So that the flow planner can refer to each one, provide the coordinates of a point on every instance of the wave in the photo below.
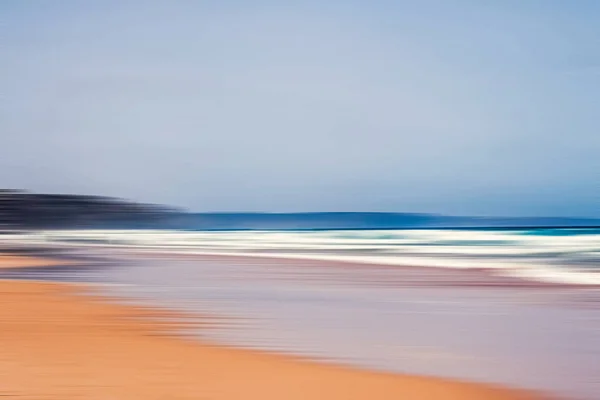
(570, 256)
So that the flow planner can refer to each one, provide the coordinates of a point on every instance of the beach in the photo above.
(9, 260)
(65, 341)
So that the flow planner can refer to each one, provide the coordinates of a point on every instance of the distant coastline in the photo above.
(22, 210)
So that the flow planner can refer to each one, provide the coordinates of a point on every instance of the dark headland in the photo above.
(21, 210)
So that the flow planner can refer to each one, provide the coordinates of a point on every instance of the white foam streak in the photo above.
(540, 257)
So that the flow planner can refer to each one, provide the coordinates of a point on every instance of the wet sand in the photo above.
(61, 342)
(420, 321)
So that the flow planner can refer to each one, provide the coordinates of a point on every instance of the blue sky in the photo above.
(456, 107)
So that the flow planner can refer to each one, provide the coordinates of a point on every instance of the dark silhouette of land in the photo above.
(24, 210)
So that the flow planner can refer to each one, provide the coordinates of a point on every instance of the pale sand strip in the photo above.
(56, 343)
(8, 260)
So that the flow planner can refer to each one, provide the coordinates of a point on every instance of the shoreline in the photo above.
(454, 277)
(471, 277)
(64, 340)
(517, 259)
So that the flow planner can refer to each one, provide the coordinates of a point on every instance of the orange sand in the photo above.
(58, 344)
(16, 261)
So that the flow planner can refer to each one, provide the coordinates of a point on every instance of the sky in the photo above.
(461, 107)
